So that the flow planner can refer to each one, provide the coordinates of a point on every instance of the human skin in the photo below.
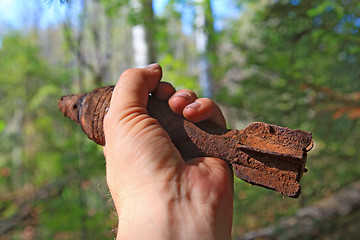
(156, 193)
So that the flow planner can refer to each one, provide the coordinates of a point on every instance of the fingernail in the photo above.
(153, 67)
(195, 105)
(185, 95)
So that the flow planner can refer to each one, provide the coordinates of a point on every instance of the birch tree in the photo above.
(204, 30)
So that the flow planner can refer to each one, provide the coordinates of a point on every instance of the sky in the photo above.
(12, 12)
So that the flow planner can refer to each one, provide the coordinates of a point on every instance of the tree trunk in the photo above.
(204, 30)
(143, 33)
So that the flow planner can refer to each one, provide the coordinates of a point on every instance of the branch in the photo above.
(306, 219)
(49, 2)
(26, 205)
(75, 44)
(342, 103)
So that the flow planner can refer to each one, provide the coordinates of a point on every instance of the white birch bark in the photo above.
(138, 32)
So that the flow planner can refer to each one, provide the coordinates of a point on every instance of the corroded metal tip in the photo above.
(88, 110)
(70, 106)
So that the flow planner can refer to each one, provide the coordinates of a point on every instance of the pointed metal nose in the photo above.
(70, 106)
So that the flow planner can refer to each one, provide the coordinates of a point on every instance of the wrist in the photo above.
(173, 220)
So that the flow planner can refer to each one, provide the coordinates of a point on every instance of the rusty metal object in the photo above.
(261, 154)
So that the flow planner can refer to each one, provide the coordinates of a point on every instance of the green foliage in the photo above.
(112, 6)
(299, 60)
(39, 147)
(176, 57)
(2, 125)
(290, 63)
(174, 74)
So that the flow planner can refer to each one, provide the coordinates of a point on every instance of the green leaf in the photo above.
(2, 125)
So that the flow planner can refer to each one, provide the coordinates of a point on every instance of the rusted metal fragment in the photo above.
(88, 110)
(70, 105)
(261, 154)
(264, 166)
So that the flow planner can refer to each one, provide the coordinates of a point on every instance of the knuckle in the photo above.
(129, 73)
(208, 103)
(192, 94)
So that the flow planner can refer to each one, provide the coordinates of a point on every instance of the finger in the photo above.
(181, 99)
(204, 109)
(164, 91)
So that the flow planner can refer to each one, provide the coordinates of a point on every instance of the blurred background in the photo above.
(293, 63)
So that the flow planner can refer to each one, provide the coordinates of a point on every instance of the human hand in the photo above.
(156, 193)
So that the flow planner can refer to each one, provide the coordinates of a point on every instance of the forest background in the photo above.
(292, 63)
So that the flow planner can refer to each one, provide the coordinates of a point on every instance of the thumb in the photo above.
(133, 88)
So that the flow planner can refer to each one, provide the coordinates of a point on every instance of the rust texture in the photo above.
(261, 154)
